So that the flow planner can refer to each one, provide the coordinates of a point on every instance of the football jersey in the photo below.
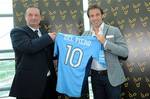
(74, 60)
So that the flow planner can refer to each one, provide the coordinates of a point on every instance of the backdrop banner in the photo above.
(133, 19)
(57, 15)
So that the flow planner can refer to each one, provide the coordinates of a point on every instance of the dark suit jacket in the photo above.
(34, 57)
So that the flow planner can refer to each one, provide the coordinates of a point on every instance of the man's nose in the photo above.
(94, 17)
(33, 17)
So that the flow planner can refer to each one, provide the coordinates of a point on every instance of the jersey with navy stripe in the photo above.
(74, 54)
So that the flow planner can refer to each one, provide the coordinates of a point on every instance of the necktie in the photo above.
(36, 31)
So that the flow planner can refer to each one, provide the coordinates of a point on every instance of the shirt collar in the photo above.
(33, 29)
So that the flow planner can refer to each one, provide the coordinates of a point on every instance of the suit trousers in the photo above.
(49, 92)
(102, 89)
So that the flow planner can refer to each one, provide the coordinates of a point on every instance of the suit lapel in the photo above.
(42, 31)
(30, 32)
(105, 30)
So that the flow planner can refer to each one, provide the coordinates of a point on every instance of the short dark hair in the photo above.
(32, 6)
(94, 7)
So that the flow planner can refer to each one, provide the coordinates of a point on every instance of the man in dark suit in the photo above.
(35, 76)
(106, 79)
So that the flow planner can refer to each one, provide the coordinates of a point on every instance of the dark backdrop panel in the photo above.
(131, 16)
(57, 15)
(133, 19)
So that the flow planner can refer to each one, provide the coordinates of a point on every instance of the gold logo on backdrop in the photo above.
(73, 14)
(147, 81)
(108, 1)
(147, 5)
(128, 37)
(130, 66)
(25, 5)
(23, 1)
(132, 22)
(57, 2)
(139, 36)
(14, 3)
(121, 23)
(123, 94)
(125, 9)
(136, 7)
(19, 16)
(46, 3)
(132, 95)
(68, 2)
(137, 81)
(78, 2)
(47, 27)
(58, 27)
(142, 66)
(144, 21)
(105, 13)
(34, 2)
(112, 22)
(144, 95)
(79, 27)
(63, 14)
(147, 51)
(135, 50)
(148, 33)
(69, 27)
(126, 84)
(52, 15)
(81, 12)
(98, 2)
(43, 13)
(114, 10)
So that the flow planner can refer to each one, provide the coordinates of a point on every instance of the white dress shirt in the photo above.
(39, 32)
(95, 64)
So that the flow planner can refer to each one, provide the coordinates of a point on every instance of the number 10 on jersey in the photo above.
(71, 52)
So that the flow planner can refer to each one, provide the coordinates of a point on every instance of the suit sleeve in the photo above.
(118, 45)
(56, 50)
(26, 43)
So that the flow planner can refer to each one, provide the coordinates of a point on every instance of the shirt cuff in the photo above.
(105, 43)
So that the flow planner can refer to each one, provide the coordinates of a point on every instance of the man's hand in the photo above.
(101, 38)
(52, 35)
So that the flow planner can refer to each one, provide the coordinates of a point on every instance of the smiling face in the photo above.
(33, 17)
(95, 17)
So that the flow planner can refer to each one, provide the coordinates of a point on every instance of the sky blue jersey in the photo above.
(74, 60)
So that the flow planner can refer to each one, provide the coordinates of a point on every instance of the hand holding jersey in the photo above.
(74, 60)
